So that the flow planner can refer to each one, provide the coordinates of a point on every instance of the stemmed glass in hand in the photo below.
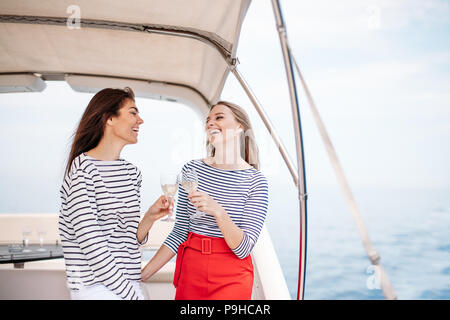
(189, 182)
(169, 186)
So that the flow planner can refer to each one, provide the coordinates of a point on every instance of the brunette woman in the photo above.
(99, 220)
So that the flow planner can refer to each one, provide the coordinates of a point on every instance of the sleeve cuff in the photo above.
(243, 249)
(143, 241)
(173, 247)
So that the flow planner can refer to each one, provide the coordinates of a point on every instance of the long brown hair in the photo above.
(104, 105)
(249, 149)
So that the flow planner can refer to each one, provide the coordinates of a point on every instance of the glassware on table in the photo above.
(41, 233)
(26, 233)
(169, 186)
(15, 248)
(189, 182)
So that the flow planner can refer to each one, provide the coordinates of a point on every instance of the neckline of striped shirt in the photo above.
(120, 160)
(202, 161)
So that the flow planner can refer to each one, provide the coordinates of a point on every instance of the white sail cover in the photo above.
(176, 44)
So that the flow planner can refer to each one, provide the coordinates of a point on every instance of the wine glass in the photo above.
(26, 233)
(41, 233)
(189, 182)
(169, 186)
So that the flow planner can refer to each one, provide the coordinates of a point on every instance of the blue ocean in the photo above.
(410, 229)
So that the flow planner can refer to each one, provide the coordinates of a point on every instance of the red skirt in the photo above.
(207, 269)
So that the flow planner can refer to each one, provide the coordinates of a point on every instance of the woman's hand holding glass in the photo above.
(160, 208)
(205, 203)
(169, 185)
(189, 182)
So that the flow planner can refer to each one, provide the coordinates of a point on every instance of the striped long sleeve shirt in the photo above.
(98, 221)
(242, 193)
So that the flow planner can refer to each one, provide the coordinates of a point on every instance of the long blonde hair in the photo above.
(249, 149)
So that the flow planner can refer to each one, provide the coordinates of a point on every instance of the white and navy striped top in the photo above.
(98, 221)
(242, 193)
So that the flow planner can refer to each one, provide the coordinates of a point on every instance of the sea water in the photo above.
(409, 227)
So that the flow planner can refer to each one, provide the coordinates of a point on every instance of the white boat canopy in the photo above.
(176, 50)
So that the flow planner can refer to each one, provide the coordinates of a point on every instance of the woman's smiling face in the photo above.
(221, 125)
(126, 125)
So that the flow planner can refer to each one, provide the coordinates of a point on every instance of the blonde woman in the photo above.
(213, 250)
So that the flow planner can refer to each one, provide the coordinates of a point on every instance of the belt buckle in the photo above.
(206, 246)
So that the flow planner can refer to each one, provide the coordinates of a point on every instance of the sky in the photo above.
(379, 72)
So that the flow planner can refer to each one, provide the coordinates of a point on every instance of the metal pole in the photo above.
(298, 142)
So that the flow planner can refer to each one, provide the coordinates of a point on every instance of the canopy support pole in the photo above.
(281, 28)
